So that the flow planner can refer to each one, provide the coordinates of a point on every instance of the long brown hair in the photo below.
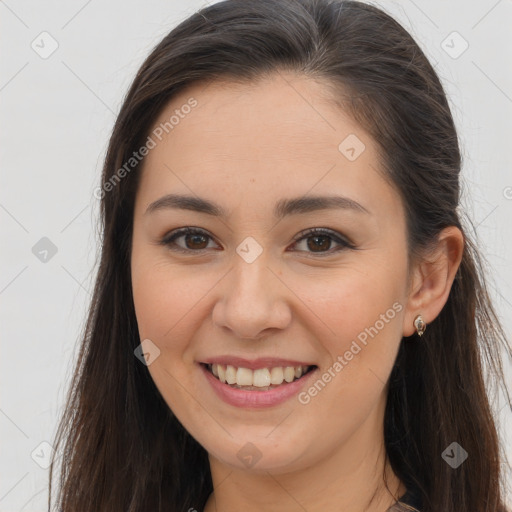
(123, 449)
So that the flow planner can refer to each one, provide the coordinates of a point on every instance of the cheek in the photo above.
(155, 307)
(169, 300)
(361, 312)
(354, 300)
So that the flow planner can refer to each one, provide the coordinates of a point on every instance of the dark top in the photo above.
(411, 499)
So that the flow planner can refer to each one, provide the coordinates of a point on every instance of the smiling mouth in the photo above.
(262, 379)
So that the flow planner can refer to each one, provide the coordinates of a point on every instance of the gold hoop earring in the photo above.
(420, 325)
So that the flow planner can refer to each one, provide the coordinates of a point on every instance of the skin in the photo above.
(246, 147)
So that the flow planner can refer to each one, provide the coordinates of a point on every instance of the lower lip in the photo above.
(256, 399)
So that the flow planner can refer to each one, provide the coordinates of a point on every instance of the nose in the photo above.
(253, 300)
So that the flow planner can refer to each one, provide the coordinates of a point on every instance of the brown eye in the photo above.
(195, 240)
(319, 241)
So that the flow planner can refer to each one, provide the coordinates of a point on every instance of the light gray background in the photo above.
(57, 113)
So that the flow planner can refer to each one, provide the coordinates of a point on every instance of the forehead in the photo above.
(281, 133)
(282, 114)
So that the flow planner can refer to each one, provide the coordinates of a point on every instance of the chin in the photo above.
(259, 453)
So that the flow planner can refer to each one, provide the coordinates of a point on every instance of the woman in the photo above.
(288, 313)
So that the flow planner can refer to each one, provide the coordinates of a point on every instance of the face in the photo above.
(253, 289)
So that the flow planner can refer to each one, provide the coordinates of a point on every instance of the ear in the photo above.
(432, 279)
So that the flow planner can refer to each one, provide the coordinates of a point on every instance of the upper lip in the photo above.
(254, 364)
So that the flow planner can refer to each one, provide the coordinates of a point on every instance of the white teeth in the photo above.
(221, 371)
(230, 374)
(244, 377)
(289, 373)
(276, 375)
(260, 378)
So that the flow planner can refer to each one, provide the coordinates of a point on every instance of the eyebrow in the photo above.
(283, 208)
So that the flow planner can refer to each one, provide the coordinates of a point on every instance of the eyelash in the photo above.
(169, 239)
